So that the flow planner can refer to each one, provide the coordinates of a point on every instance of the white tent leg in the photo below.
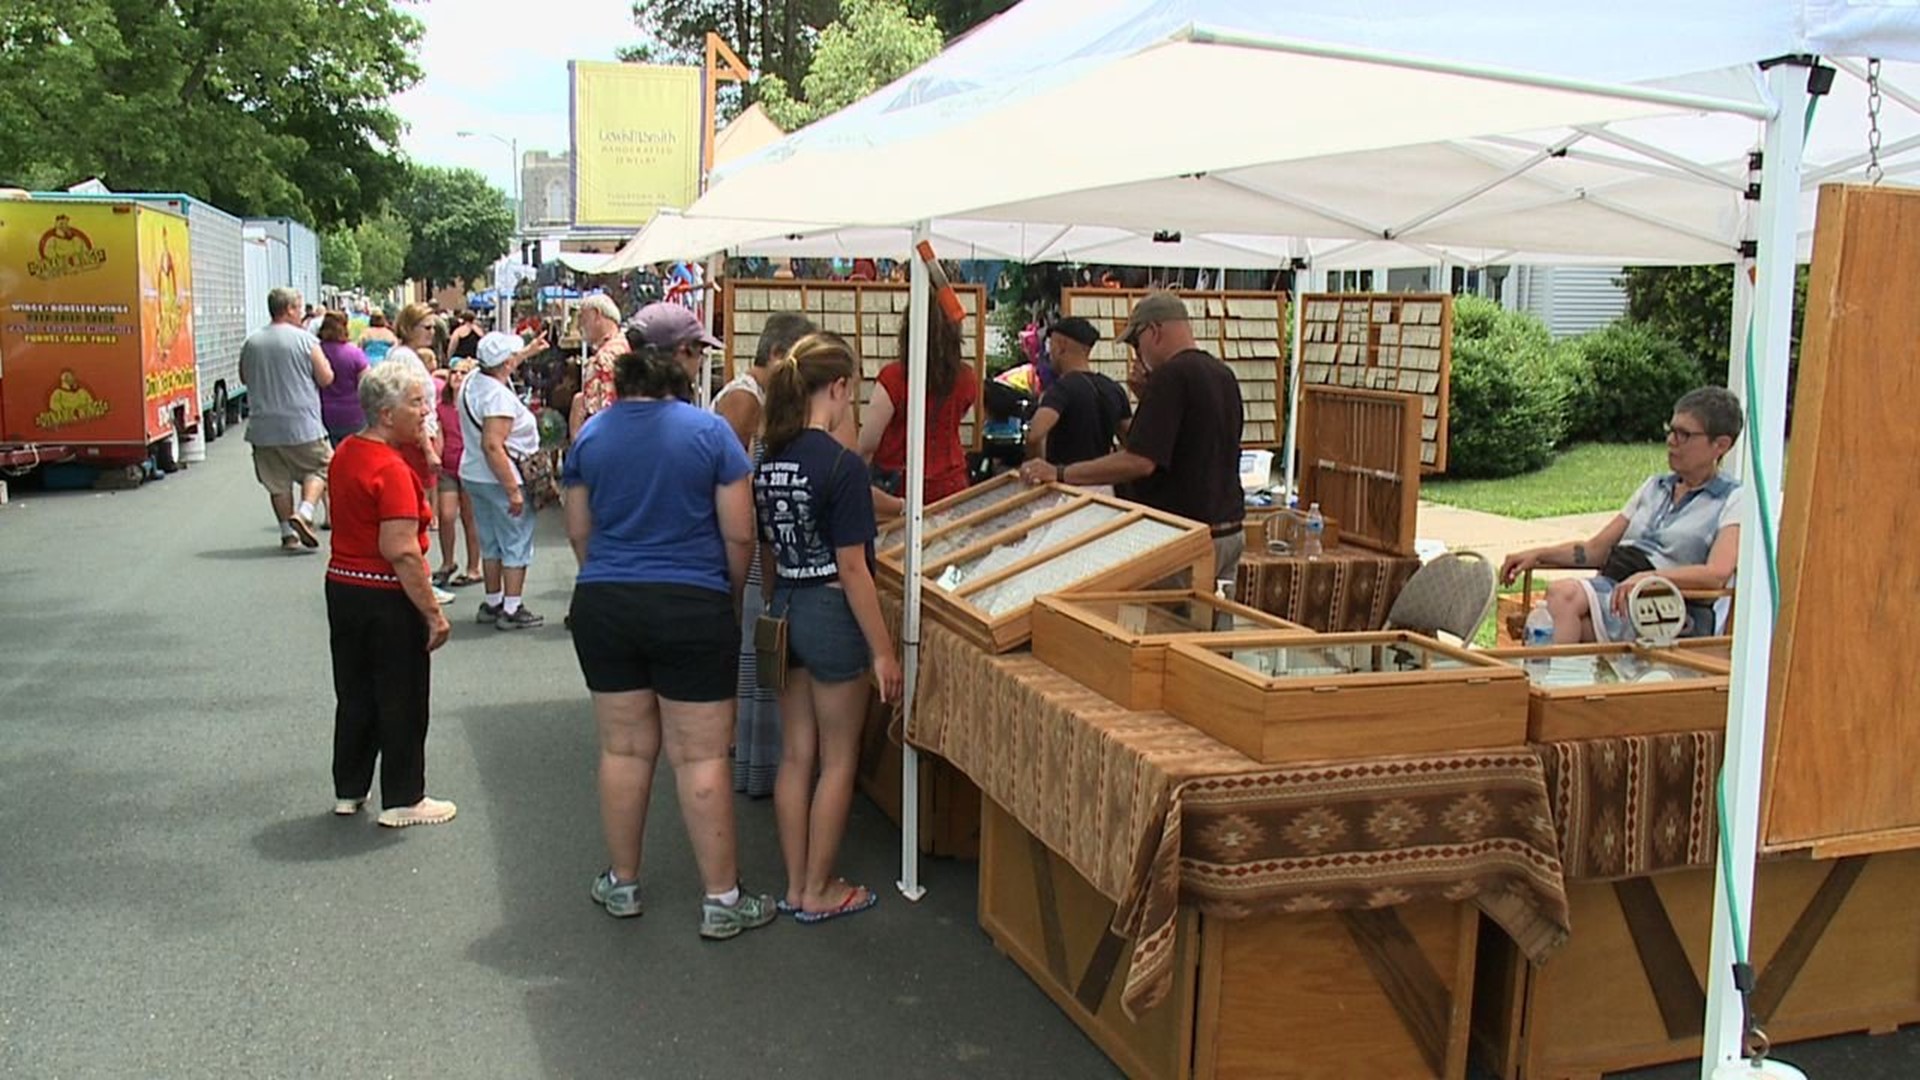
(920, 294)
(1753, 616)
(1737, 349)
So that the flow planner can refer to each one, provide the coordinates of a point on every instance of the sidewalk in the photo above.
(1495, 536)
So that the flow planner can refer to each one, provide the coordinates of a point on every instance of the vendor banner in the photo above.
(636, 141)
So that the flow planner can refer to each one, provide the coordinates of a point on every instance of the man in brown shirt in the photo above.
(1182, 454)
(600, 329)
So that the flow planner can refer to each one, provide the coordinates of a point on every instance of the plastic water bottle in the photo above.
(1316, 530)
(1539, 625)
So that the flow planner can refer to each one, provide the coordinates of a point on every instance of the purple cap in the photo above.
(670, 326)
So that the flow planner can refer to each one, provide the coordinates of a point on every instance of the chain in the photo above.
(1874, 170)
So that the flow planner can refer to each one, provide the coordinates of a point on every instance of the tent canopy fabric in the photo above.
(744, 135)
(582, 262)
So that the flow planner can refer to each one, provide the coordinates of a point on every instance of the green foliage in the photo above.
(773, 37)
(261, 107)
(1632, 376)
(957, 17)
(383, 241)
(460, 223)
(873, 43)
(1511, 390)
(339, 258)
(1690, 306)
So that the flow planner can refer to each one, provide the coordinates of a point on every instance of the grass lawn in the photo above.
(1583, 479)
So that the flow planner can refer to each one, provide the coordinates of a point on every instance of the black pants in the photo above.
(381, 685)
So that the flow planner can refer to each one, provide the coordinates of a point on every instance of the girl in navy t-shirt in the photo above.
(814, 503)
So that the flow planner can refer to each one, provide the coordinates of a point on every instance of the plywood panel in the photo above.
(1843, 739)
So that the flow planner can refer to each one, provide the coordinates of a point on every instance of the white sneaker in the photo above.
(442, 596)
(349, 807)
(424, 812)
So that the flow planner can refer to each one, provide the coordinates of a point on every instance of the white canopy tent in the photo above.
(1407, 159)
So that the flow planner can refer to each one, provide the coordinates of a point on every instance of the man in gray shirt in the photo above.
(284, 369)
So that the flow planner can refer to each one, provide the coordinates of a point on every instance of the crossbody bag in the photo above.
(537, 478)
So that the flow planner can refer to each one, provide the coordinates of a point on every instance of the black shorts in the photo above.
(679, 641)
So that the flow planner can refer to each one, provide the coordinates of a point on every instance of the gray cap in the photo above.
(1155, 307)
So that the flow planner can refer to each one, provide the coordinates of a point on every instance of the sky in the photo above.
(500, 68)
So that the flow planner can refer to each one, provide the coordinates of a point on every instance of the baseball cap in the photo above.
(497, 347)
(1155, 307)
(603, 304)
(670, 326)
(1074, 328)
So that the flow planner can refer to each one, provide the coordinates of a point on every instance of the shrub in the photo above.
(1634, 375)
(1511, 390)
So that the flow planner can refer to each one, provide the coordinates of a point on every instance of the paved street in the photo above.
(176, 900)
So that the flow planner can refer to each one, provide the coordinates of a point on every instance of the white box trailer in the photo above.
(296, 252)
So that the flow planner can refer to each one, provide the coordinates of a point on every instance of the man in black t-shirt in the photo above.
(1082, 413)
(1182, 452)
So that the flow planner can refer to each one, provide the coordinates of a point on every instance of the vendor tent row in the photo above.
(1254, 134)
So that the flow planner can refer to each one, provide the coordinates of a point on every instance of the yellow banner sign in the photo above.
(636, 141)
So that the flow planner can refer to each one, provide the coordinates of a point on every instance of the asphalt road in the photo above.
(176, 899)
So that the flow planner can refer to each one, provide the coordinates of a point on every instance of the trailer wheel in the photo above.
(229, 412)
(166, 453)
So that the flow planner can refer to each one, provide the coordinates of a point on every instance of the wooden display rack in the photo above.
(1116, 642)
(949, 801)
(1246, 329)
(1316, 996)
(1608, 709)
(1360, 460)
(1835, 947)
(866, 313)
(1311, 715)
(1385, 341)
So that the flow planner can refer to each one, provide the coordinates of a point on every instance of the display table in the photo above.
(1834, 942)
(1212, 871)
(1345, 590)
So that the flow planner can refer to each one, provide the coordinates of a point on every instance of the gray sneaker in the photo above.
(621, 901)
(718, 922)
(489, 613)
(519, 620)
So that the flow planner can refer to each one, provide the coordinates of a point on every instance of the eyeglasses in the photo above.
(1679, 436)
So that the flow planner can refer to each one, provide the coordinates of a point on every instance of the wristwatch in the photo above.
(1060, 473)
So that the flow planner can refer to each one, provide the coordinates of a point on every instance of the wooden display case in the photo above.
(1384, 341)
(1326, 995)
(1716, 651)
(1360, 460)
(1835, 948)
(1327, 697)
(866, 313)
(1116, 642)
(1247, 330)
(1601, 691)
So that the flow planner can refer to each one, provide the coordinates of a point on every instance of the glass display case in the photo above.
(1716, 652)
(1327, 697)
(1595, 691)
(936, 516)
(1116, 643)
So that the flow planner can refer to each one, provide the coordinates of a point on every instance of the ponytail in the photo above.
(816, 361)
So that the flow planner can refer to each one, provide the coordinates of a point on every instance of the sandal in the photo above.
(461, 580)
(440, 578)
(859, 898)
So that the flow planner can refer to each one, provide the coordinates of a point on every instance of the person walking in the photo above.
(497, 429)
(952, 390)
(340, 399)
(663, 559)
(382, 620)
(456, 506)
(284, 370)
(814, 503)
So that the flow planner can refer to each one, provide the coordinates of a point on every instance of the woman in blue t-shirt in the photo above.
(660, 513)
(814, 501)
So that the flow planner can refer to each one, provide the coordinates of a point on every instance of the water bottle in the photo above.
(1539, 625)
(1316, 529)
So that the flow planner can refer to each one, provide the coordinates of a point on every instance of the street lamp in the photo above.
(503, 306)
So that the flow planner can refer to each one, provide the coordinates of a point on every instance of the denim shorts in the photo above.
(503, 537)
(822, 635)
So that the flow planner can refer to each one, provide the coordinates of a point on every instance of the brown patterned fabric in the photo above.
(1634, 805)
(1347, 589)
(1154, 813)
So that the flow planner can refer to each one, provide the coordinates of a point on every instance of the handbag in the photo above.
(770, 652)
(1624, 561)
(537, 480)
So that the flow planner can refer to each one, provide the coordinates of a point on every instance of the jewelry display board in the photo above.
(1327, 697)
(1116, 642)
(868, 314)
(1384, 341)
(1246, 330)
(1359, 459)
(1601, 691)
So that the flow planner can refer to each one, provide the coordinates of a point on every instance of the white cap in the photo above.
(497, 347)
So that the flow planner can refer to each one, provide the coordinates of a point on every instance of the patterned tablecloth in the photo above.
(1634, 805)
(1154, 813)
(1347, 589)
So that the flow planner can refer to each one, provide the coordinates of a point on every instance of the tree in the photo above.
(773, 37)
(264, 107)
(1693, 307)
(873, 43)
(384, 241)
(460, 224)
(339, 258)
(957, 17)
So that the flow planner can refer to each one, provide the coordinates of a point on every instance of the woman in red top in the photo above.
(952, 389)
(382, 618)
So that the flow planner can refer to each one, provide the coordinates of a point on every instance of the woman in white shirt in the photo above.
(494, 422)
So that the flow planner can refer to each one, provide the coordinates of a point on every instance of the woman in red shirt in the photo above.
(952, 390)
(382, 618)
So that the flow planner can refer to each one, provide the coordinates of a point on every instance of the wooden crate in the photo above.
(1401, 342)
(1327, 697)
(1360, 460)
(1567, 700)
(949, 802)
(1116, 643)
(1316, 996)
(1835, 946)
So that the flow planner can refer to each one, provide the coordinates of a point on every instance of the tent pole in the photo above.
(1302, 277)
(1743, 764)
(920, 293)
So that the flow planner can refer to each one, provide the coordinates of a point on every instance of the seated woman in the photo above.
(1683, 525)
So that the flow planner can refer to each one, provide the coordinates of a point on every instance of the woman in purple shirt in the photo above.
(340, 401)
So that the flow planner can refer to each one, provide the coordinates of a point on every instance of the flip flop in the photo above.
(785, 908)
(854, 904)
(440, 577)
(461, 580)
